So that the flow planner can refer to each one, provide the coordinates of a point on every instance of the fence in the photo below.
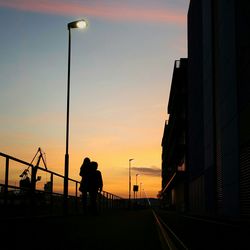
(33, 198)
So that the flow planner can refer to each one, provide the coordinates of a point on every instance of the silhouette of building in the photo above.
(217, 109)
(173, 142)
(200, 109)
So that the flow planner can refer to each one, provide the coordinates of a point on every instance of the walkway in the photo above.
(133, 230)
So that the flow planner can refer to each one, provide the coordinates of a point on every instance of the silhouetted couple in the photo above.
(91, 183)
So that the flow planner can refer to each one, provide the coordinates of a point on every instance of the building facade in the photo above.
(173, 142)
(218, 108)
(217, 125)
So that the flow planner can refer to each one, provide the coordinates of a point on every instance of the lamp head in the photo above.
(79, 24)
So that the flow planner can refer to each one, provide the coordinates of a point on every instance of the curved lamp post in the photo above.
(79, 24)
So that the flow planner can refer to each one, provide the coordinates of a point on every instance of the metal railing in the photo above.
(19, 200)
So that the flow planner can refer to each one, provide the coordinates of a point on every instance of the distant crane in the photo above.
(34, 168)
(25, 182)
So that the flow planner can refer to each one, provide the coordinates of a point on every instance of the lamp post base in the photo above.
(65, 190)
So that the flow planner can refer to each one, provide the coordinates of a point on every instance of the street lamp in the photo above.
(129, 181)
(80, 24)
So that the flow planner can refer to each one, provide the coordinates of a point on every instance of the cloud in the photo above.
(113, 13)
(153, 171)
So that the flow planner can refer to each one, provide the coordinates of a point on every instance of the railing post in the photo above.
(101, 201)
(32, 191)
(51, 193)
(76, 189)
(51, 180)
(6, 183)
(107, 200)
(76, 198)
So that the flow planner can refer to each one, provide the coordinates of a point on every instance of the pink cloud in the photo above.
(114, 13)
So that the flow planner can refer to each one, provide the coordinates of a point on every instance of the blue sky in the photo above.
(121, 72)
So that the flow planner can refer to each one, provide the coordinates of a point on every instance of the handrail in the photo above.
(15, 159)
(106, 200)
(31, 165)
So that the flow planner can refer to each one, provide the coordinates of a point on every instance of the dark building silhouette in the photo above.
(173, 142)
(218, 109)
(200, 109)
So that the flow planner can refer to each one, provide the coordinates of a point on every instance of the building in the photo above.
(217, 111)
(173, 142)
(218, 108)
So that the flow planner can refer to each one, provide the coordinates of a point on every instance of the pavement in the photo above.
(118, 229)
(206, 233)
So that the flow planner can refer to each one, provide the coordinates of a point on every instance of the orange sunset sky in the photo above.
(121, 70)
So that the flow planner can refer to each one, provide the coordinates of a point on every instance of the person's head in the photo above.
(94, 165)
(86, 161)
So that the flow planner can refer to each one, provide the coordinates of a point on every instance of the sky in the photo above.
(121, 71)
